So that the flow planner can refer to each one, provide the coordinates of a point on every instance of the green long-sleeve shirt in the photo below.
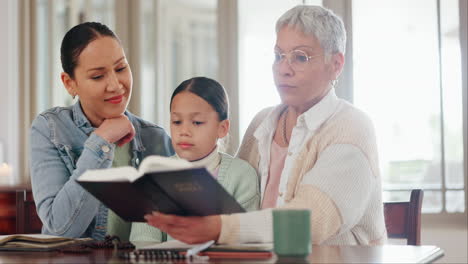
(115, 225)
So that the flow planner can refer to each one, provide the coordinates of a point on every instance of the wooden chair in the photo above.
(403, 219)
(27, 220)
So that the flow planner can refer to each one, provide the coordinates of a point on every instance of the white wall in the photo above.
(8, 87)
(3, 71)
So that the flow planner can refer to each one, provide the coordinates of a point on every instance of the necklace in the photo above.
(285, 116)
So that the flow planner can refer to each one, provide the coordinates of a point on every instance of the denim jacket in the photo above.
(62, 148)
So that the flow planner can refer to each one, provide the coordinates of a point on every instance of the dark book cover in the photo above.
(186, 192)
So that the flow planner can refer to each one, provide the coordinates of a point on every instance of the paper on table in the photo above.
(172, 244)
(197, 249)
(239, 251)
(249, 247)
(176, 244)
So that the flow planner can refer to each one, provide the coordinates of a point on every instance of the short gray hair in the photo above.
(322, 23)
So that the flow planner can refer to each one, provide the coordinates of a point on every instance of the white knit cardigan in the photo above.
(345, 199)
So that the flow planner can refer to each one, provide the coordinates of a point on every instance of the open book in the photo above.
(37, 242)
(162, 184)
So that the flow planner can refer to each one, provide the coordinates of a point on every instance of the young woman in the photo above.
(96, 132)
(199, 118)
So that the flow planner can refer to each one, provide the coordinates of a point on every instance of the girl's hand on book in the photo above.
(188, 229)
(117, 130)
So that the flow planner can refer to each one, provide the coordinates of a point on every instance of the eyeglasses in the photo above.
(297, 59)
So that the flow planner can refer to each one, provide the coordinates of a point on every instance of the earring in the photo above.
(73, 96)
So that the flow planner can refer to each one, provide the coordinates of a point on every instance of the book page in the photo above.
(110, 175)
(159, 163)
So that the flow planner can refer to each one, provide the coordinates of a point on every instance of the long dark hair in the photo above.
(77, 39)
(210, 90)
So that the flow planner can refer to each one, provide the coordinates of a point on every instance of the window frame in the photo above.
(344, 10)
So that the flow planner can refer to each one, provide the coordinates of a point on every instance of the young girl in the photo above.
(199, 117)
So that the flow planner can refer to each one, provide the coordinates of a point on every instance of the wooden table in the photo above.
(320, 254)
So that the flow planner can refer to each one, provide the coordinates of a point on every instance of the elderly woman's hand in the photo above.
(117, 130)
(190, 229)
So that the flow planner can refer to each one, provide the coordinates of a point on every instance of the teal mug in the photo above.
(291, 232)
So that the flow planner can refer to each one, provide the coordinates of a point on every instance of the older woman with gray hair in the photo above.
(312, 151)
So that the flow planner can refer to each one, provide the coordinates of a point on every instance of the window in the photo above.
(166, 41)
(179, 41)
(407, 77)
(53, 20)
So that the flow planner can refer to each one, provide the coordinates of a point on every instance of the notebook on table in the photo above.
(177, 249)
(37, 242)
